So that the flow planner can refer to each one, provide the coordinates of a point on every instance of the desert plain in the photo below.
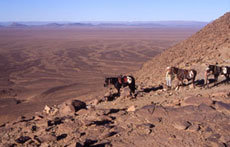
(46, 66)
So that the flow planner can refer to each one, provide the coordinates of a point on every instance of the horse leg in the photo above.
(118, 87)
(193, 82)
(133, 90)
(130, 90)
(182, 82)
(118, 92)
(178, 86)
(227, 78)
(216, 79)
(206, 84)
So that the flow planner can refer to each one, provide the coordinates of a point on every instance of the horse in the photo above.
(212, 70)
(121, 81)
(182, 74)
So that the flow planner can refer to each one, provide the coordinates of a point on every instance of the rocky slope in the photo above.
(156, 117)
(208, 46)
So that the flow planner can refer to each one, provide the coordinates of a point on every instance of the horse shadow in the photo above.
(147, 90)
(112, 97)
(218, 83)
(201, 82)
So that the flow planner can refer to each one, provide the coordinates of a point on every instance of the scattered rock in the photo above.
(145, 128)
(111, 111)
(71, 106)
(77, 104)
(22, 139)
(34, 128)
(38, 116)
(182, 125)
(220, 94)
(223, 107)
(108, 134)
(131, 108)
(196, 101)
(47, 138)
(60, 137)
(77, 145)
(194, 128)
(95, 102)
(36, 138)
(50, 110)
(89, 142)
(66, 109)
(55, 122)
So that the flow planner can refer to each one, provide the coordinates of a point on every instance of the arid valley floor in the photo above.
(40, 66)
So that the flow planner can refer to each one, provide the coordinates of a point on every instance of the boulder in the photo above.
(71, 106)
(181, 125)
(220, 94)
(47, 138)
(77, 105)
(50, 110)
(66, 108)
(22, 139)
(151, 113)
(131, 108)
(60, 137)
(46, 109)
(222, 107)
(196, 101)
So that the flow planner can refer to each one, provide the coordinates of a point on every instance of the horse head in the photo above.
(210, 68)
(107, 82)
(173, 70)
(224, 70)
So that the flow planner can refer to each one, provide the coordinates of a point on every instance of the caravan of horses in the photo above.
(180, 74)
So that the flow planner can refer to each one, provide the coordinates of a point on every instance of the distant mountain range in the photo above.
(154, 24)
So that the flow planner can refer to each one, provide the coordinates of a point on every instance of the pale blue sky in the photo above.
(112, 10)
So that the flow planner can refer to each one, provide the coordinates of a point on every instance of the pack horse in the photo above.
(183, 74)
(216, 71)
(121, 81)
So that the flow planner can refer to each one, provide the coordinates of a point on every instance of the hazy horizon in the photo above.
(151, 24)
(107, 11)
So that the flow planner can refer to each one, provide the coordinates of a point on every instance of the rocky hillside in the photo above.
(208, 46)
(156, 117)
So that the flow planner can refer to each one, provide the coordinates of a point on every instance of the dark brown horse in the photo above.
(216, 71)
(183, 74)
(121, 81)
(212, 70)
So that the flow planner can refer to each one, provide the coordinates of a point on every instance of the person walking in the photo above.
(168, 78)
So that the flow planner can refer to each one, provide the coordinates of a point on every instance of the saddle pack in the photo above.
(125, 80)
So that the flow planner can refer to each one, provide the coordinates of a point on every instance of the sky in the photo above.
(112, 10)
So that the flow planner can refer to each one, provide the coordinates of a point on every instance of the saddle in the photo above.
(125, 79)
